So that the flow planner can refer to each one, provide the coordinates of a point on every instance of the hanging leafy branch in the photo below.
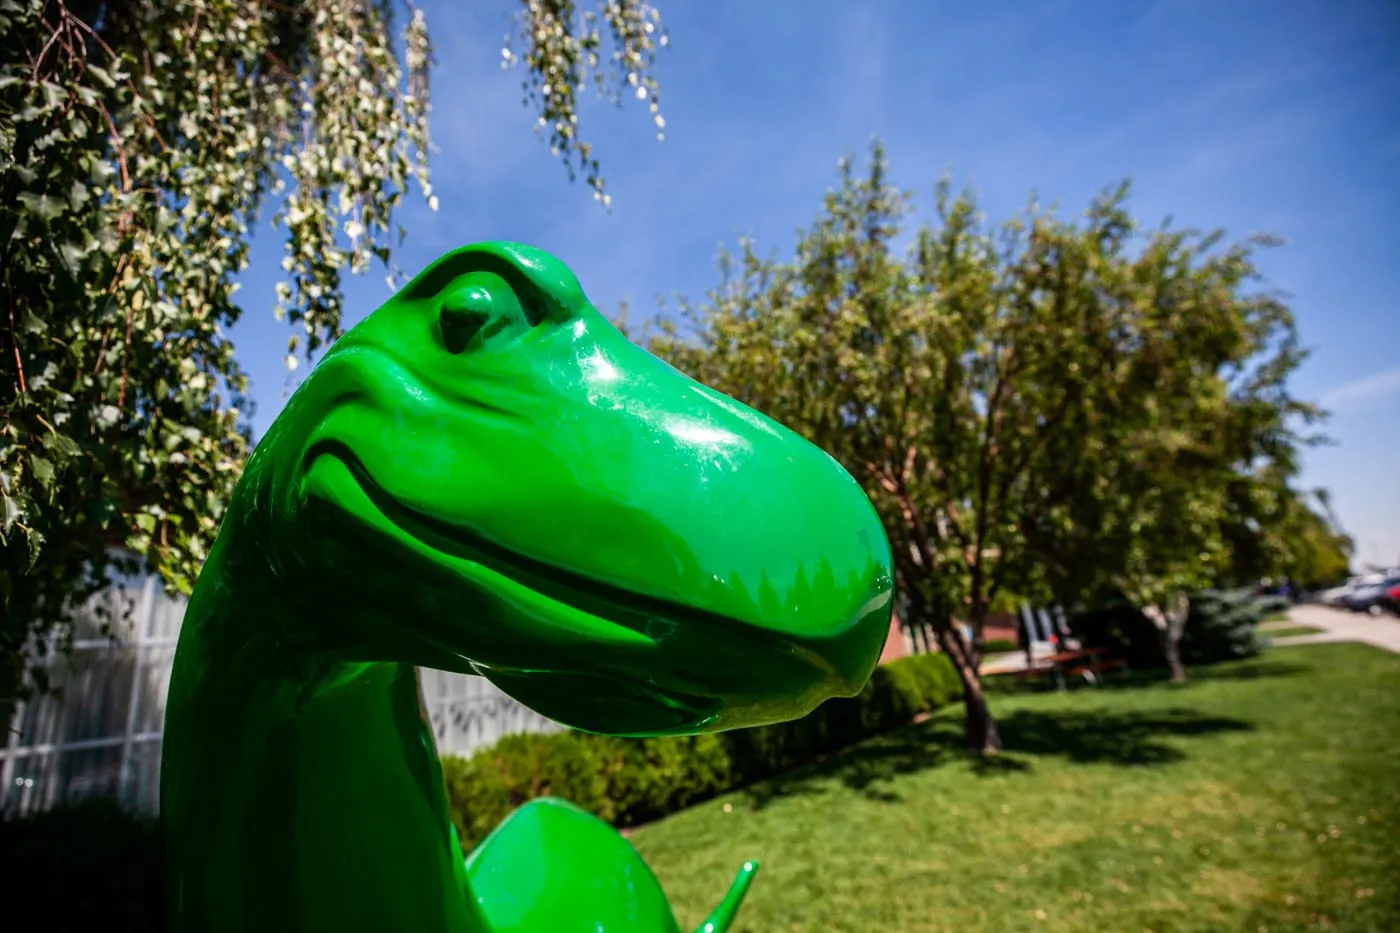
(563, 47)
(139, 140)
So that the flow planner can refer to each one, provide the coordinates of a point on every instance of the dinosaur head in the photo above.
(486, 475)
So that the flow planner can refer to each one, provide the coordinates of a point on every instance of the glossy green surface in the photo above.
(574, 893)
(485, 476)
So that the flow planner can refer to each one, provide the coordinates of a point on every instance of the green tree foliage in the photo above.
(139, 141)
(1316, 553)
(1275, 530)
(1040, 406)
(1197, 420)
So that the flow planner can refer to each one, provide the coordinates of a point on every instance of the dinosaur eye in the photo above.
(462, 317)
(480, 309)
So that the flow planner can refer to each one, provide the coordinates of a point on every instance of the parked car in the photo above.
(1338, 595)
(1372, 598)
(1392, 600)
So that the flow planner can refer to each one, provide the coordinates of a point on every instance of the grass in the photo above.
(1261, 796)
(1293, 630)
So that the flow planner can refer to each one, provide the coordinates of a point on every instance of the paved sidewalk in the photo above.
(1340, 625)
(1008, 662)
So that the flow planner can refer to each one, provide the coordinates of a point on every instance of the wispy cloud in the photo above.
(1366, 389)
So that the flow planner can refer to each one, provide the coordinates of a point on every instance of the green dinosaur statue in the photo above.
(485, 476)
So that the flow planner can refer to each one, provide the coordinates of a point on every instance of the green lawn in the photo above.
(1262, 796)
(1293, 630)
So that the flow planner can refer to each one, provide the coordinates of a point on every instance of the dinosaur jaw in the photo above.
(606, 705)
(592, 656)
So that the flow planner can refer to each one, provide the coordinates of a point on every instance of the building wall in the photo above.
(896, 642)
(1000, 627)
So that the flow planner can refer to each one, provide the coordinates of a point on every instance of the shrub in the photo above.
(89, 865)
(1121, 629)
(1223, 625)
(999, 646)
(631, 781)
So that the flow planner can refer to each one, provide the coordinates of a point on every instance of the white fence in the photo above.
(101, 734)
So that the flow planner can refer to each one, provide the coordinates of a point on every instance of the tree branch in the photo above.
(14, 341)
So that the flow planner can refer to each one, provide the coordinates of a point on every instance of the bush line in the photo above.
(632, 781)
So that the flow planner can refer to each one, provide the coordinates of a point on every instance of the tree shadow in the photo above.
(866, 768)
(1121, 739)
(1127, 739)
(1138, 679)
(1256, 671)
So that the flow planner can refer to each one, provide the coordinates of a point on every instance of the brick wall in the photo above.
(896, 645)
(1000, 627)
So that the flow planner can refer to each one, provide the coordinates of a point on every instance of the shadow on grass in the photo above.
(1256, 671)
(866, 767)
(1129, 739)
(999, 686)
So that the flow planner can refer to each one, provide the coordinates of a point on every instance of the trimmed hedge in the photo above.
(631, 781)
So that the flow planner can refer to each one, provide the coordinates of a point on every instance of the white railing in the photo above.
(101, 733)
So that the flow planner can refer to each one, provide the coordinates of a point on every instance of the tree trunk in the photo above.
(1029, 633)
(925, 646)
(980, 728)
(1171, 649)
(1170, 624)
(1176, 627)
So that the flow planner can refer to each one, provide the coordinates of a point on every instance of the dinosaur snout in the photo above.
(764, 556)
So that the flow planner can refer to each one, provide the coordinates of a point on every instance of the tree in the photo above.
(1316, 553)
(1003, 393)
(931, 379)
(1171, 545)
(1197, 419)
(139, 141)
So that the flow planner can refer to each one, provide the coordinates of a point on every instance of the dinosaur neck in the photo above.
(300, 791)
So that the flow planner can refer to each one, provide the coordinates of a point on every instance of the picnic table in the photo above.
(1077, 662)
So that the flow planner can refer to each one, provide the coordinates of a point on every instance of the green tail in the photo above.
(728, 909)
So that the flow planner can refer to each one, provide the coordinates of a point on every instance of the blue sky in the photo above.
(1247, 115)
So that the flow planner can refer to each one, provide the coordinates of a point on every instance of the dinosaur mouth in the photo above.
(600, 696)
